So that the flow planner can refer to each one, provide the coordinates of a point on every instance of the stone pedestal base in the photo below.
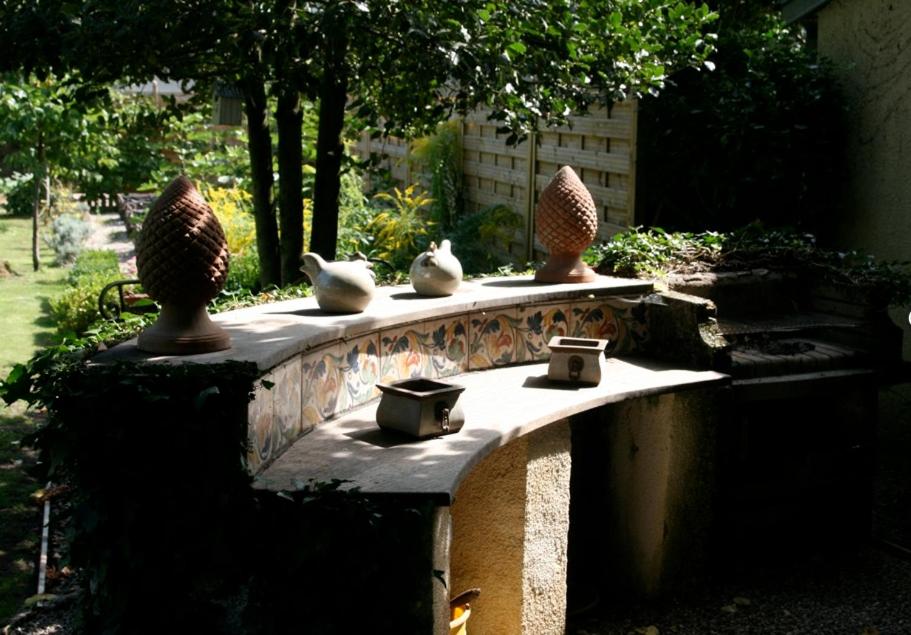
(565, 268)
(183, 331)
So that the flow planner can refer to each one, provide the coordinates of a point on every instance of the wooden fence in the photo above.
(600, 147)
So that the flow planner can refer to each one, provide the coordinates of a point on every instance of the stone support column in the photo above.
(644, 488)
(510, 528)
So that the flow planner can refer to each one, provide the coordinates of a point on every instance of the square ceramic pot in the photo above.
(576, 360)
(420, 407)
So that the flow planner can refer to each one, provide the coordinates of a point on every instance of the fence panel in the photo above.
(600, 147)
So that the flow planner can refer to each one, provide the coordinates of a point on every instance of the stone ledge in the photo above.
(500, 405)
(270, 334)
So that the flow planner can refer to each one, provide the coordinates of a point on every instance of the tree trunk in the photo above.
(259, 147)
(39, 176)
(329, 149)
(290, 119)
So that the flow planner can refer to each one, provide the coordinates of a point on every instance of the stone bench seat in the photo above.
(500, 405)
(501, 485)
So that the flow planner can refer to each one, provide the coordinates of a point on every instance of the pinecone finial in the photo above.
(182, 262)
(566, 223)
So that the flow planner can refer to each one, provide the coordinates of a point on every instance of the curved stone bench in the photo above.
(502, 483)
(501, 486)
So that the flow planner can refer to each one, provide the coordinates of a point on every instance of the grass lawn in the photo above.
(25, 328)
(23, 298)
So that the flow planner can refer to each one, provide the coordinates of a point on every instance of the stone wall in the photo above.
(870, 43)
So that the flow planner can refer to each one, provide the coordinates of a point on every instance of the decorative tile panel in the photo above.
(493, 338)
(262, 434)
(322, 384)
(438, 348)
(337, 378)
(536, 325)
(360, 365)
(286, 401)
(515, 335)
(622, 321)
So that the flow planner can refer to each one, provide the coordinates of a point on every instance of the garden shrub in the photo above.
(402, 229)
(758, 138)
(655, 253)
(68, 235)
(441, 155)
(76, 309)
(234, 209)
(20, 196)
(243, 271)
(481, 240)
(354, 217)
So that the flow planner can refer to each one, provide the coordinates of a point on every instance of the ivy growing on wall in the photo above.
(168, 532)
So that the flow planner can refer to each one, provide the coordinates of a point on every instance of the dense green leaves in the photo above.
(655, 253)
(406, 66)
(758, 138)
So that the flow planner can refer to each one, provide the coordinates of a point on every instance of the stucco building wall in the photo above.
(870, 43)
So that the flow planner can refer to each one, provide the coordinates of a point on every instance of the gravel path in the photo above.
(862, 593)
(108, 232)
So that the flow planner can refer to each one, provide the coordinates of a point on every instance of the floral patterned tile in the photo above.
(338, 378)
(515, 335)
(536, 325)
(360, 368)
(262, 433)
(620, 320)
(430, 349)
(492, 339)
(286, 400)
(322, 384)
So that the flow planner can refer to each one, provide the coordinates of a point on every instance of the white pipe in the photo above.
(45, 534)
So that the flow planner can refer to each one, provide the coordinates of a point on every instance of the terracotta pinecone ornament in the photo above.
(566, 222)
(182, 261)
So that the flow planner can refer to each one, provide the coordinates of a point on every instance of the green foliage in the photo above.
(441, 155)
(93, 261)
(243, 272)
(481, 240)
(20, 196)
(76, 309)
(402, 229)
(532, 63)
(192, 146)
(138, 139)
(157, 545)
(555, 58)
(68, 235)
(760, 138)
(355, 216)
(233, 208)
(52, 128)
(651, 252)
(655, 253)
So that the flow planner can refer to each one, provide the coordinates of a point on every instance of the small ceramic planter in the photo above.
(420, 407)
(576, 360)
